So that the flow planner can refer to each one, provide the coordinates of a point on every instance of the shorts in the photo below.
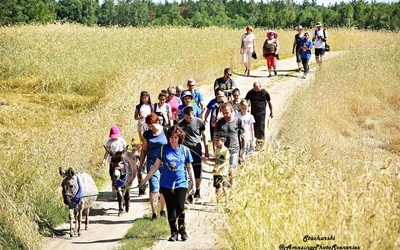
(142, 127)
(220, 181)
(154, 181)
(233, 162)
(319, 52)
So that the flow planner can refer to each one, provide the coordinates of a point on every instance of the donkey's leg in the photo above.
(127, 200)
(120, 201)
(71, 221)
(79, 215)
(86, 212)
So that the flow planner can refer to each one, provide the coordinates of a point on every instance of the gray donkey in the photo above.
(79, 193)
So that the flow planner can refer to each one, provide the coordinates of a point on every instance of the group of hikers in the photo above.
(173, 137)
(302, 46)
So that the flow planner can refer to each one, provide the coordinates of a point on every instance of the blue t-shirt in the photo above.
(197, 96)
(196, 111)
(174, 174)
(211, 105)
(306, 54)
(154, 144)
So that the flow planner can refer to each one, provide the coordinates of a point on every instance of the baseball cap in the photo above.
(114, 132)
(187, 93)
(220, 135)
(299, 27)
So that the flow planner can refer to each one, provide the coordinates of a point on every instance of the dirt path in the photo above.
(203, 221)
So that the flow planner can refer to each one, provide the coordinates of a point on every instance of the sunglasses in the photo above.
(220, 102)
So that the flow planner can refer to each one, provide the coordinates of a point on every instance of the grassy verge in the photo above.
(335, 168)
(144, 232)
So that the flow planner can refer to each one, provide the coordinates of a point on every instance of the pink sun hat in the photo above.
(114, 132)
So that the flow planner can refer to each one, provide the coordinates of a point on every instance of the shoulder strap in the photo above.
(324, 33)
(155, 107)
(162, 152)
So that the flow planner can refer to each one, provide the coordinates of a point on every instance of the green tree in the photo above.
(80, 11)
(108, 14)
(27, 11)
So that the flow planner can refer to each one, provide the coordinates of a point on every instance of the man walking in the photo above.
(194, 129)
(259, 98)
(319, 40)
(233, 128)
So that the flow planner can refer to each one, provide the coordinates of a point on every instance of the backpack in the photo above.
(166, 120)
(327, 47)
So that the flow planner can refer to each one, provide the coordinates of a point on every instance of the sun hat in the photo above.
(114, 132)
(187, 93)
(319, 24)
(299, 27)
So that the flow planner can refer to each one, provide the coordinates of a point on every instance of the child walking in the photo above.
(221, 167)
(248, 124)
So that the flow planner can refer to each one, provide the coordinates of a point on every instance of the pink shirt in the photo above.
(174, 104)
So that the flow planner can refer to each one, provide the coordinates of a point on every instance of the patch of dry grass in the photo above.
(338, 173)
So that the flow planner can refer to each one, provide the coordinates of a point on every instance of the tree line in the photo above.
(202, 13)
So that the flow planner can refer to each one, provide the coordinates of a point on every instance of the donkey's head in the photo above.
(69, 185)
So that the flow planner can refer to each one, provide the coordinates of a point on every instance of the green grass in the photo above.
(144, 232)
(63, 86)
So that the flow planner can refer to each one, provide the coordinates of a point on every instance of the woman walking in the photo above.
(297, 44)
(271, 51)
(174, 161)
(153, 139)
(247, 48)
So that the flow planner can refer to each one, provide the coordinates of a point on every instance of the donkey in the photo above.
(136, 148)
(79, 193)
(123, 169)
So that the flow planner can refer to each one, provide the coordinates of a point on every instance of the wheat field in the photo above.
(334, 170)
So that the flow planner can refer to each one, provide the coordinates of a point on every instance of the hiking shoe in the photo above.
(189, 199)
(154, 217)
(184, 235)
(174, 237)
(162, 213)
(275, 72)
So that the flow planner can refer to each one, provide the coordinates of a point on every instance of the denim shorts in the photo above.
(154, 181)
(233, 162)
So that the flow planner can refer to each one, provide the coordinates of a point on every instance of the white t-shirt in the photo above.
(319, 43)
(145, 109)
(116, 145)
(248, 121)
(164, 110)
(248, 41)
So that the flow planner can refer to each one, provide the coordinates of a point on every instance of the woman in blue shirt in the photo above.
(174, 161)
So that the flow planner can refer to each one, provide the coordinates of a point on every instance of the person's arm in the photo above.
(169, 114)
(206, 115)
(155, 167)
(242, 46)
(203, 135)
(271, 114)
(277, 46)
(143, 153)
(137, 115)
(294, 44)
(254, 43)
(105, 157)
(191, 175)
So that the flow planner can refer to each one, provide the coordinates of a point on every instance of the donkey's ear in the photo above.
(70, 172)
(61, 171)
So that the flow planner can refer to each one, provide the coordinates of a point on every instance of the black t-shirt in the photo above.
(258, 100)
(227, 86)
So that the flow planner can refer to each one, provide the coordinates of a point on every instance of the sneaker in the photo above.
(269, 75)
(248, 73)
(174, 237)
(275, 72)
(154, 217)
(189, 199)
(162, 213)
(299, 69)
(184, 235)
(197, 197)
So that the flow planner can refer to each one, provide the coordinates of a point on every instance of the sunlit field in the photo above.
(334, 171)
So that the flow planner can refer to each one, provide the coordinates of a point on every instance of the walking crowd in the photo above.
(172, 130)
